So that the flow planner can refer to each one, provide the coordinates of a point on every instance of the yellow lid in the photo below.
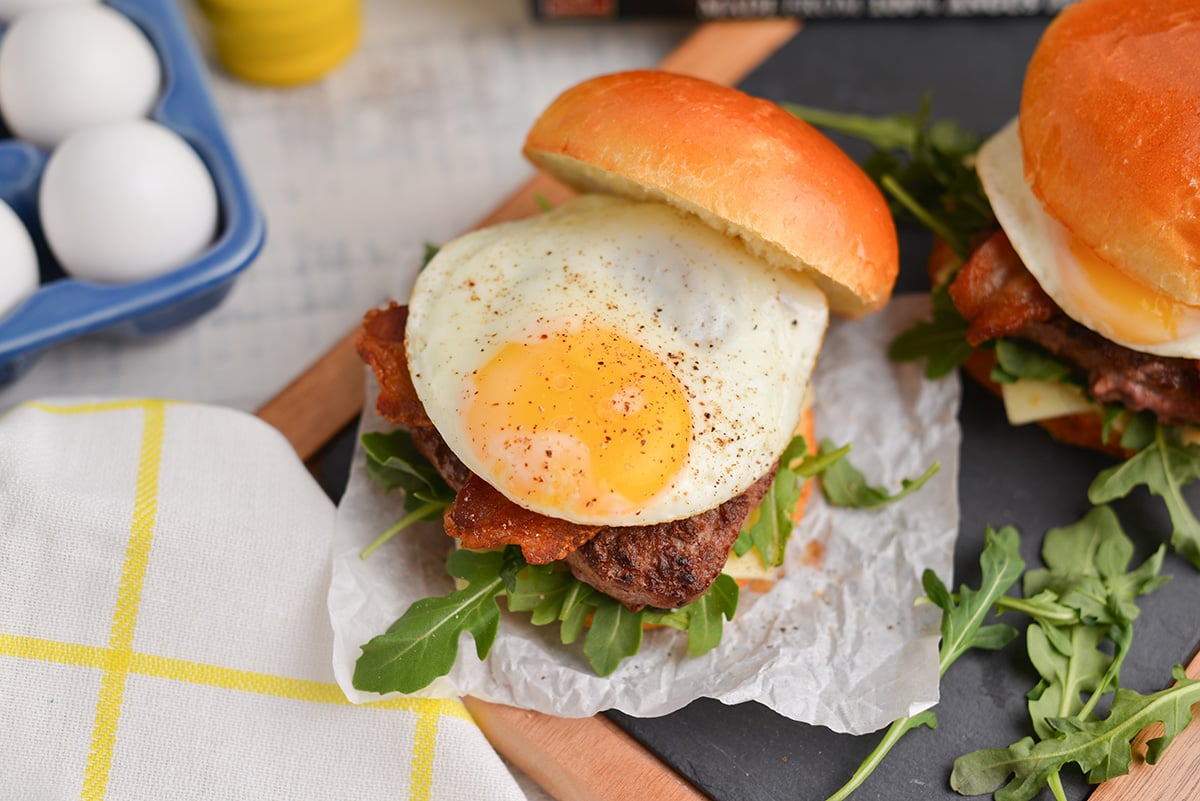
(294, 66)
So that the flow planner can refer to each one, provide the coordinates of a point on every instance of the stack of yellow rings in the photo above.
(282, 42)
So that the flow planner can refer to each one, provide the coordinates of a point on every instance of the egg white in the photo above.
(740, 336)
(1044, 245)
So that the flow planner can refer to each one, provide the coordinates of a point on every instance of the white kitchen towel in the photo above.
(163, 629)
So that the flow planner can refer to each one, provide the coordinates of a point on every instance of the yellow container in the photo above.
(282, 42)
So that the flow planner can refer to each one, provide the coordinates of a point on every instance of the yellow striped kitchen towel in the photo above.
(163, 626)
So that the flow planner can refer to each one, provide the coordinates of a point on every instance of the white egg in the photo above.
(18, 261)
(11, 9)
(65, 67)
(126, 201)
(612, 361)
(1089, 290)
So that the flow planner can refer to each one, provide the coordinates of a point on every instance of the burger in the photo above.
(1085, 301)
(610, 386)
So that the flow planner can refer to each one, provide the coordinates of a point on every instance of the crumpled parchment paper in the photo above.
(837, 642)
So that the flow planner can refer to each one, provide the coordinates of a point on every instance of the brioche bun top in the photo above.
(743, 165)
(1110, 129)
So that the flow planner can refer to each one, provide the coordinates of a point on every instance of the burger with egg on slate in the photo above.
(1096, 188)
(613, 383)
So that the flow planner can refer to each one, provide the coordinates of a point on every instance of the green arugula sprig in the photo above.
(770, 526)
(1101, 748)
(844, 485)
(940, 341)
(926, 168)
(1164, 465)
(962, 629)
(423, 644)
(1082, 605)
(393, 462)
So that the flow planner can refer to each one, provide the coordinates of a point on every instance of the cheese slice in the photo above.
(1027, 401)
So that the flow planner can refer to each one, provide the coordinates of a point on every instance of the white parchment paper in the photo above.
(837, 642)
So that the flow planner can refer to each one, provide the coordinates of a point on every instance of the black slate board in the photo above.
(972, 70)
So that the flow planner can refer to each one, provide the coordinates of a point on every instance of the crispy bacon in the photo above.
(380, 344)
(996, 294)
(483, 518)
(999, 297)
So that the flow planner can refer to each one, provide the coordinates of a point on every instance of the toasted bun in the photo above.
(744, 165)
(1109, 123)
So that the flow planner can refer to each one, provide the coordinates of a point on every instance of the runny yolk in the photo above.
(1130, 310)
(588, 422)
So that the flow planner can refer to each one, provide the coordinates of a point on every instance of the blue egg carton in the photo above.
(63, 307)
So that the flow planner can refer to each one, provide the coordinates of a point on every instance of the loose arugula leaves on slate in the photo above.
(1164, 465)
(1083, 597)
(1087, 572)
(962, 628)
(1102, 748)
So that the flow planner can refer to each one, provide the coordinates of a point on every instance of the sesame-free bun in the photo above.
(743, 165)
(1110, 129)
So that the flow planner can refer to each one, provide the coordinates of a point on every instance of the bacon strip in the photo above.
(483, 518)
(997, 294)
(381, 345)
(999, 297)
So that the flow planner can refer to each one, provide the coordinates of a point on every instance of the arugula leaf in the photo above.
(541, 590)
(845, 485)
(1164, 465)
(705, 614)
(1015, 362)
(393, 462)
(927, 169)
(1087, 569)
(423, 643)
(615, 633)
(941, 340)
(769, 527)
(431, 250)
(1101, 748)
(962, 629)
(1078, 657)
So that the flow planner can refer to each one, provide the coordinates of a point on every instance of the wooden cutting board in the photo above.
(592, 758)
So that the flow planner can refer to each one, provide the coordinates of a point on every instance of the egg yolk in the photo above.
(585, 421)
(1124, 308)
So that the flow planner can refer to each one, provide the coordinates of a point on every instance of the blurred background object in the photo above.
(282, 42)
